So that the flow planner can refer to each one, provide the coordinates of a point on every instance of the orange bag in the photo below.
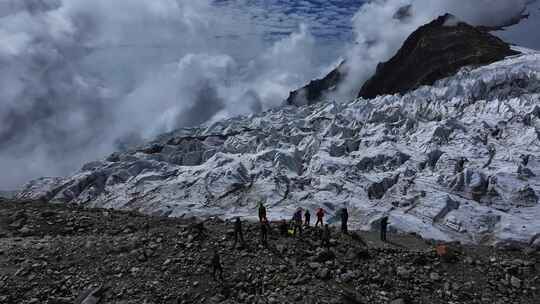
(442, 250)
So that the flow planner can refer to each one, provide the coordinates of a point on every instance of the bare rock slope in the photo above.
(434, 51)
(316, 90)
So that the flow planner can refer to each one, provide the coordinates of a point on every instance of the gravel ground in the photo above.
(68, 254)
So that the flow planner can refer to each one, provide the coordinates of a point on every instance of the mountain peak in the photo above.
(434, 51)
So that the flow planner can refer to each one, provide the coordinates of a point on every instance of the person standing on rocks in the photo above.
(297, 221)
(344, 219)
(320, 216)
(384, 228)
(216, 266)
(238, 234)
(307, 218)
(262, 211)
(325, 238)
(284, 228)
(264, 233)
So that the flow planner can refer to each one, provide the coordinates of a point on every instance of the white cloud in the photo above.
(79, 77)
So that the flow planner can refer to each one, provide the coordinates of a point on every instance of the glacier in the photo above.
(456, 161)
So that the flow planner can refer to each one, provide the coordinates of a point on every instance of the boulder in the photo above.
(470, 181)
(379, 189)
(324, 274)
(433, 158)
(515, 282)
(323, 256)
(90, 296)
(403, 272)
(525, 197)
(434, 276)
(383, 162)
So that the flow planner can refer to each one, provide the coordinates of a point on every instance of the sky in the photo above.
(81, 79)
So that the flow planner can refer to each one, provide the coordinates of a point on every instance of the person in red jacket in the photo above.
(320, 215)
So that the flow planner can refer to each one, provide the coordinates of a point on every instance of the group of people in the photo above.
(298, 221)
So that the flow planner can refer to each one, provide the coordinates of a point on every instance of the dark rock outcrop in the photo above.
(378, 190)
(315, 89)
(435, 51)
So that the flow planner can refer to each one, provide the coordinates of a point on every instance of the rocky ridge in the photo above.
(434, 51)
(316, 90)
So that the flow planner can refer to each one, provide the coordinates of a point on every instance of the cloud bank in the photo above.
(80, 79)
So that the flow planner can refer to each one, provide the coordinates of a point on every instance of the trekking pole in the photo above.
(462, 272)
(262, 287)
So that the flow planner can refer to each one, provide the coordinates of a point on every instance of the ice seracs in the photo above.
(445, 161)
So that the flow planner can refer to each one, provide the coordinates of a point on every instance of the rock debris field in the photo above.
(57, 254)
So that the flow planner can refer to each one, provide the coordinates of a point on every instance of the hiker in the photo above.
(325, 238)
(297, 221)
(238, 233)
(264, 233)
(344, 219)
(320, 215)
(262, 211)
(284, 228)
(384, 227)
(216, 265)
(307, 218)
